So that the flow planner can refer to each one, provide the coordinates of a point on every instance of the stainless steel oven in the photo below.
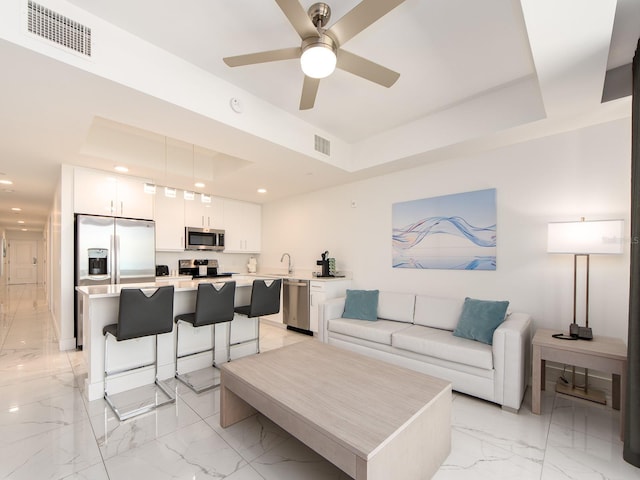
(203, 239)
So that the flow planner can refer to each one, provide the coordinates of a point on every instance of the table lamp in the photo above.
(582, 239)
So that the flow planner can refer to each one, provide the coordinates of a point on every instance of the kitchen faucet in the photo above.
(289, 270)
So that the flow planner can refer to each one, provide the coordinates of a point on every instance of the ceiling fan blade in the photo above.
(366, 69)
(263, 57)
(309, 92)
(360, 17)
(298, 18)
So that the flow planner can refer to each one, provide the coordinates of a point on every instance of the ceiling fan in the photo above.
(320, 52)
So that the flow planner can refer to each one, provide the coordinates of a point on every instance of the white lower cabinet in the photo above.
(320, 291)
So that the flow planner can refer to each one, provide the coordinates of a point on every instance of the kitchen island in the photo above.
(100, 308)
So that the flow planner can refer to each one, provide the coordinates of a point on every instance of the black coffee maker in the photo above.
(324, 263)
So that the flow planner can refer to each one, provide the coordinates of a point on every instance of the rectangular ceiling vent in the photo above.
(58, 29)
(322, 145)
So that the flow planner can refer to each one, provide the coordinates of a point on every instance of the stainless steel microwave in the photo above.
(203, 239)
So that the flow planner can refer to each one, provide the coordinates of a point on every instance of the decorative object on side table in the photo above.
(581, 239)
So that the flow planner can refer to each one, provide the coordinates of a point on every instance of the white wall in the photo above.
(62, 260)
(563, 177)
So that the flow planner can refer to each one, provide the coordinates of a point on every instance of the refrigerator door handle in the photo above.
(115, 253)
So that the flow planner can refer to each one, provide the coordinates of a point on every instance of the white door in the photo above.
(23, 261)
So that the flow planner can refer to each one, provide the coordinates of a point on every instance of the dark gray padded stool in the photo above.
(140, 316)
(265, 300)
(213, 306)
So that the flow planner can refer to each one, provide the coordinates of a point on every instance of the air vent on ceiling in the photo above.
(322, 145)
(59, 29)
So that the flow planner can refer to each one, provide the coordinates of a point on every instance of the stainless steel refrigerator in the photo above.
(111, 250)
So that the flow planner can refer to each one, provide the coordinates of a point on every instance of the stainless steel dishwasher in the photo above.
(295, 305)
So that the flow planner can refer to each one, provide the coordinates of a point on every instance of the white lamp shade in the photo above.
(318, 61)
(600, 237)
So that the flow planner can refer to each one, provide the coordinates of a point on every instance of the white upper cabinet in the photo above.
(169, 217)
(131, 199)
(204, 215)
(100, 193)
(243, 227)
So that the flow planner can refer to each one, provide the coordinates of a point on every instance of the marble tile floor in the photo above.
(49, 431)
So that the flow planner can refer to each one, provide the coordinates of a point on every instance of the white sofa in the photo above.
(416, 332)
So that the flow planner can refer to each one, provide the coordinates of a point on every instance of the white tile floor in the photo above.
(48, 430)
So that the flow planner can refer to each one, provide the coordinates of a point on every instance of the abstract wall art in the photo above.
(452, 232)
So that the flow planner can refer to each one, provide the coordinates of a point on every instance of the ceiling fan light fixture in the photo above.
(318, 59)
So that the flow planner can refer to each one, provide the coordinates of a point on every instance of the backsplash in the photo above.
(228, 262)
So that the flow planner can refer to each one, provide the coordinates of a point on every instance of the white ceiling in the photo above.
(451, 54)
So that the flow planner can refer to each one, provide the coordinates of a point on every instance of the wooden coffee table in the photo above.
(371, 419)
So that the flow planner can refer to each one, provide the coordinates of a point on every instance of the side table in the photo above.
(604, 354)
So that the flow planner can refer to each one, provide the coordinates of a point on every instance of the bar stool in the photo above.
(265, 300)
(212, 307)
(140, 316)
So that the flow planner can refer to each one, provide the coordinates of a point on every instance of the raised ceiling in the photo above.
(474, 75)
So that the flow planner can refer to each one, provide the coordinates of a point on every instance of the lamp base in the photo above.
(592, 394)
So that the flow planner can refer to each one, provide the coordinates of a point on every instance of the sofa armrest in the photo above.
(511, 345)
(332, 308)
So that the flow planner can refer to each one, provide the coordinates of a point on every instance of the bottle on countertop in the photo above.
(252, 266)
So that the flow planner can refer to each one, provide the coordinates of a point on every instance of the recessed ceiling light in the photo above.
(262, 190)
(199, 185)
(24, 229)
(6, 182)
(121, 168)
(16, 209)
(21, 221)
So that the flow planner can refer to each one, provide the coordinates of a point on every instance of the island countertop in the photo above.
(103, 291)
(301, 275)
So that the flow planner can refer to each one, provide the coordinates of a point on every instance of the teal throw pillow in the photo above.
(480, 318)
(361, 304)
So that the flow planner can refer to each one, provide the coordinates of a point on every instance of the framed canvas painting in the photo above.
(453, 232)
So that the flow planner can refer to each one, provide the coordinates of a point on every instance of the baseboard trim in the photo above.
(67, 344)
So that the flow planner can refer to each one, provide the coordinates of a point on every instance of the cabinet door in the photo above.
(317, 295)
(243, 226)
(194, 213)
(253, 227)
(214, 213)
(320, 292)
(233, 235)
(205, 215)
(131, 199)
(169, 217)
(94, 192)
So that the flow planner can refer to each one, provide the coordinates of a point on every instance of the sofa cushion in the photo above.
(480, 318)
(437, 312)
(361, 304)
(443, 344)
(378, 332)
(396, 306)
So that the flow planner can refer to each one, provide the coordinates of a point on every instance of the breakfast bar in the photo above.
(100, 307)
